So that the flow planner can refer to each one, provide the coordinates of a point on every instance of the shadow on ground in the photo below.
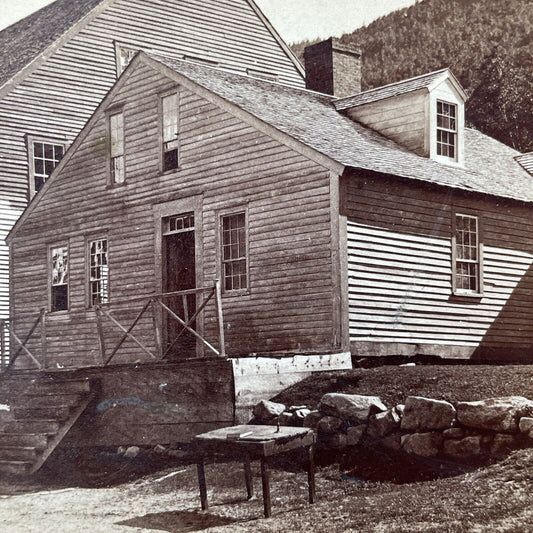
(178, 521)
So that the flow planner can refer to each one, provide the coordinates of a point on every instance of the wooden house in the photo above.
(57, 64)
(333, 224)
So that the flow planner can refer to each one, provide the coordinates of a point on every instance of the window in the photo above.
(43, 159)
(447, 130)
(123, 57)
(98, 272)
(467, 255)
(234, 252)
(116, 135)
(59, 278)
(169, 111)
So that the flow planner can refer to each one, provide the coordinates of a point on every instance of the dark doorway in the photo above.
(179, 273)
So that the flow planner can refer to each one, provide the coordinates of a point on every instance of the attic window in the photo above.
(123, 57)
(116, 136)
(43, 156)
(170, 129)
(447, 130)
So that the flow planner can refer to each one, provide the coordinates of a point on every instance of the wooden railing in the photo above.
(8, 331)
(161, 313)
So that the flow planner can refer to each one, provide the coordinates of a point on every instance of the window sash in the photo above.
(45, 157)
(234, 252)
(98, 272)
(467, 256)
(116, 135)
(59, 274)
(170, 130)
(446, 129)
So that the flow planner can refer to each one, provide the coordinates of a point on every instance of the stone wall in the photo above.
(421, 427)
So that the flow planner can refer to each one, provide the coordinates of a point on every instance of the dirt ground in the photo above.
(494, 498)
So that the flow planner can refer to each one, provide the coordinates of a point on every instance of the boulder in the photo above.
(525, 424)
(336, 441)
(300, 415)
(132, 452)
(426, 414)
(459, 449)
(329, 424)
(266, 410)
(353, 408)
(392, 442)
(312, 419)
(495, 414)
(503, 443)
(400, 408)
(354, 434)
(424, 444)
(382, 424)
(454, 433)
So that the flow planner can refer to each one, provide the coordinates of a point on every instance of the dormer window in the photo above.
(447, 130)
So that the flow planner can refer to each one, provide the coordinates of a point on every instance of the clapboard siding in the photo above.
(289, 306)
(58, 97)
(402, 118)
(400, 273)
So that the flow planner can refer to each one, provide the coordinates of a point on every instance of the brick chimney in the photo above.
(332, 67)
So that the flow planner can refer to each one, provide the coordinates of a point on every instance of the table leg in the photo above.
(265, 477)
(201, 481)
(311, 473)
(248, 477)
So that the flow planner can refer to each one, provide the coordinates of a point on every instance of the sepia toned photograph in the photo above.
(266, 266)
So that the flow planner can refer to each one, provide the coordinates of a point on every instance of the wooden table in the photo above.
(254, 442)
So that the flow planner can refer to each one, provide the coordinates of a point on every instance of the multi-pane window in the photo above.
(234, 252)
(116, 135)
(169, 110)
(98, 272)
(467, 254)
(59, 278)
(124, 55)
(46, 156)
(446, 130)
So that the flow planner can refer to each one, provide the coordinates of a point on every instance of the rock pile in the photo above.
(422, 426)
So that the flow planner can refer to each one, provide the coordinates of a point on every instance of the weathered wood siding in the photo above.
(400, 274)
(403, 118)
(156, 404)
(56, 99)
(289, 305)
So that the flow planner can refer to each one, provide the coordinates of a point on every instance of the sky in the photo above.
(295, 20)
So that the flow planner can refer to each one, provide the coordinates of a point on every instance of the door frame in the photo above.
(188, 204)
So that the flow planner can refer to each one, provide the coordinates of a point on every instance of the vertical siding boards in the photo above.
(399, 255)
(58, 97)
(289, 306)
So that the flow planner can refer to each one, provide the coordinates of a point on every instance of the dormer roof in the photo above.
(526, 161)
(425, 81)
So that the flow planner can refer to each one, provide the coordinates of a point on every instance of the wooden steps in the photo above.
(42, 409)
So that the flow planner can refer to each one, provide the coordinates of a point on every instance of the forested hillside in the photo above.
(488, 44)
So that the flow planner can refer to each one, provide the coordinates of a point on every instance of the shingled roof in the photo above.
(312, 119)
(23, 41)
(393, 89)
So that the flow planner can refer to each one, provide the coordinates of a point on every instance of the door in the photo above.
(179, 274)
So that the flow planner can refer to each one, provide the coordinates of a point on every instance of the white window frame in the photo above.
(101, 278)
(123, 56)
(224, 262)
(169, 138)
(462, 251)
(63, 281)
(32, 174)
(449, 130)
(117, 147)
